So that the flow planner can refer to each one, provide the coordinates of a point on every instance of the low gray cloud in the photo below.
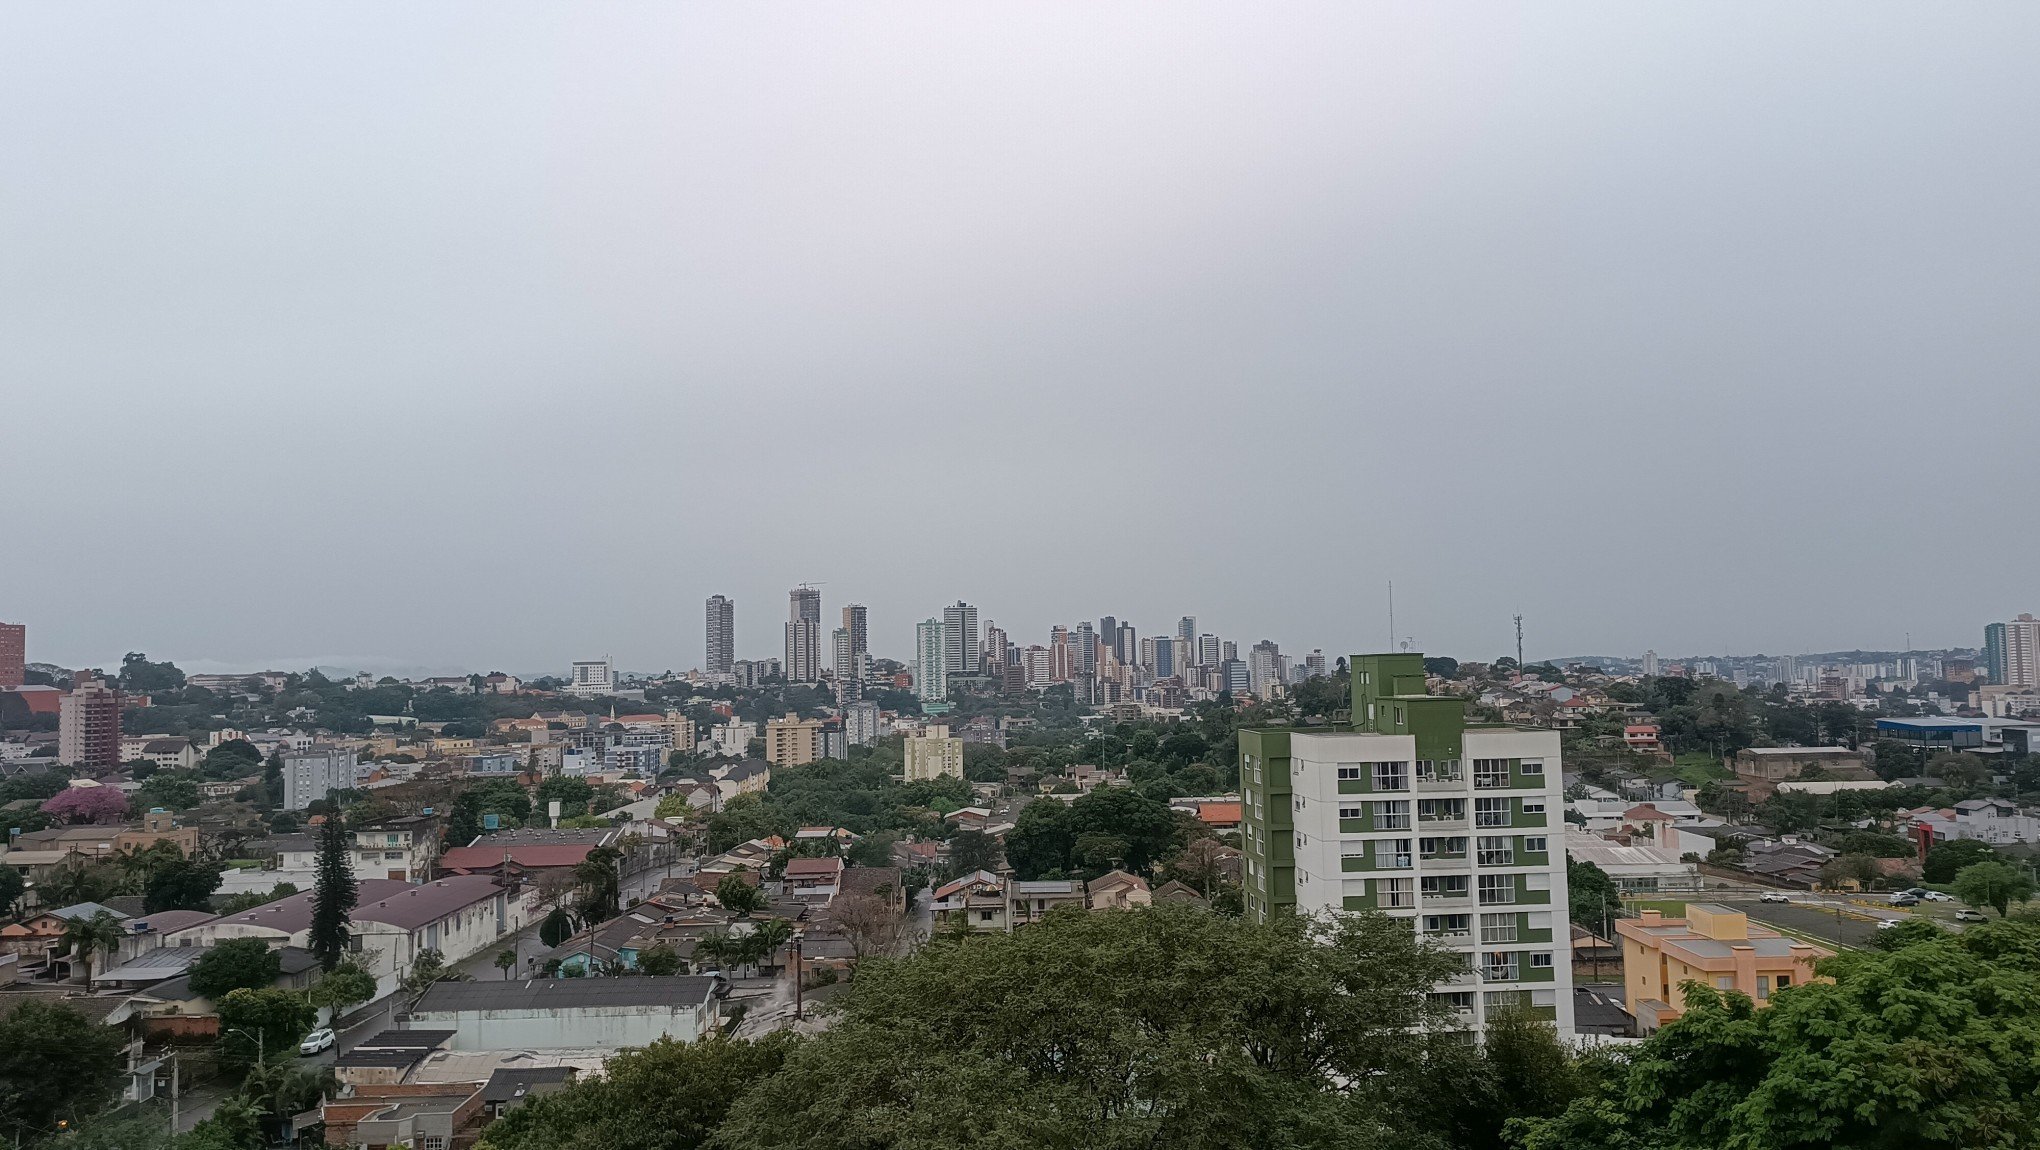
(498, 335)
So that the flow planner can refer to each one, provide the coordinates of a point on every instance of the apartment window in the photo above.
(1497, 850)
(1391, 776)
(1453, 999)
(985, 915)
(1443, 846)
(1490, 774)
(1393, 894)
(1531, 768)
(1392, 854)
(1540, 960)
(1448, 925)
(1533, 806)
(1499, 967)
(1491, 813)
(1352, 812)
(1444, 886)
(1784, 980)
(1724, 982)
(1535, 845)
(1348, 774)
(1392, 816)
(1497, 889)
(1539, 880)
(1349, 855)
(431, 1142)
(1442, 810)
(1495, 928)
(1439, 770)
(1506, 999)
(1296, 804)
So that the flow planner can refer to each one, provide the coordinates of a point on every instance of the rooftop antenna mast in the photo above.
(1391, 614)
(1519, 642)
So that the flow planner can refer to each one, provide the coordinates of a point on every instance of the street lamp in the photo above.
(261, 1047)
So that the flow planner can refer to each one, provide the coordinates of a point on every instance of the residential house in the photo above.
(1179, 892)
(427, 1117)
(1997, 821)
(1712, 945)
(1027, 902)
(571, 1013)
(814, 880)
(745, 778)
(1118, 890)
(526, 854)
(976, 900)
(170, 1010)
(39, 937)
(509, 1088)
(401, 848)
(1787, 861)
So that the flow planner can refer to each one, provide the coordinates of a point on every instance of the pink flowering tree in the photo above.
(88, 805)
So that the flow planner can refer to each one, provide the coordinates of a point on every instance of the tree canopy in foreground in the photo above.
(1928, 1046)
(1165, 1028)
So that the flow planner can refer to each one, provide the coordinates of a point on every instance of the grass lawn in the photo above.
(1670, 908)
(1697, 767)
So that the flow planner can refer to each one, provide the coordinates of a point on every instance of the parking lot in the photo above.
(1816, 921)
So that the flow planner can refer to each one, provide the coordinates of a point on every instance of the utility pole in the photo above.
(1519, 643)
(797, 979)
(173, 1094)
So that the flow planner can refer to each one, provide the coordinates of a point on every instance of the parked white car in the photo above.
(318, 1040)
(1773, 896)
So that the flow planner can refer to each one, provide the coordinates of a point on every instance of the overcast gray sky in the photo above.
(496, 335)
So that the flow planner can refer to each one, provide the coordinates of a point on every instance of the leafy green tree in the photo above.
(55, 1064)
(1908, 1048)
(1081, 1031)
(571, 793)
(1593, 899)
(973, 851)
(1993, 884)
(738, 896)
(249, 900)
(1840, 871)
(171, 790)
(506, 961)
(181, 884)
(1041, 839)
(72, 882)
(279, 1016)
(231, 759)
(342, 988)
(11, 887)
(427, 968)
(667, 1096)
(235, 964)
(1946, 860)
(657, 959)
(88, 938)
(556, 928)
(600, 885)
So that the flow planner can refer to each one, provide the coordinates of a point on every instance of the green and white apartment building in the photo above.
(1415, 812)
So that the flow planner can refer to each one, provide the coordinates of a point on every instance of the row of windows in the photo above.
(1495, 850)
(1487, 773)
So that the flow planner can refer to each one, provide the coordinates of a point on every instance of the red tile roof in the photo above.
(804, 868)
(1219, 812)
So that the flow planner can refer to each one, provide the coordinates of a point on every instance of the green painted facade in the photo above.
(1267, 830)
